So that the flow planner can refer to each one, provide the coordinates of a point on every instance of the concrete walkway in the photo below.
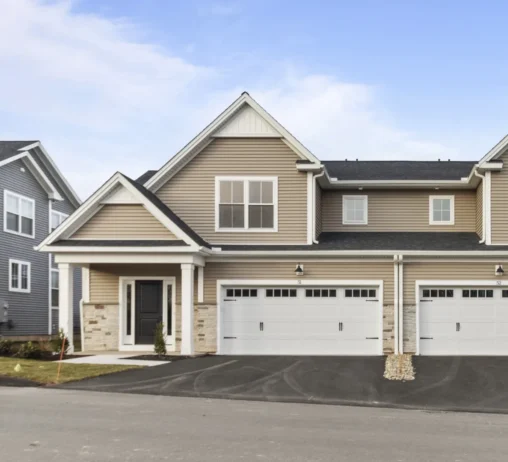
(115, 359)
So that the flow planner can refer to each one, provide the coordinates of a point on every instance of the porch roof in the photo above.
(118, 243)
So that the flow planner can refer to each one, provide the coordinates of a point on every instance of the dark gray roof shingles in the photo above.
(9, 149)
(146, 176)
(372, 170)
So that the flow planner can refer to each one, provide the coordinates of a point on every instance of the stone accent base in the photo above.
(205, 328)
(409, 326)
(388, 329)
(100, 325)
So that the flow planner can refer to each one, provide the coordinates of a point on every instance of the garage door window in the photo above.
(505, 293)
(241, 292)
(360, 293)
(478, 293)
(438, 293)
(321, 293)
(291, 293)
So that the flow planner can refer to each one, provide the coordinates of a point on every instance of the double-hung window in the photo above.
(354, 210)
(19, 276)
(441, 210)
(19, 214)
(246, 204)
(57, 218)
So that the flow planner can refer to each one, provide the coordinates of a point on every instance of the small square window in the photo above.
(324, 293)
(292, 293)
(465, 293)
(474, 294)
(238, 292)
(442, 293)
(253, 292)
(349, 293)
(449, 293)
(489, 293)
(269, 292)
(230, 293)
(285, 292)
(308, 292)
(433, 293)
(372, 293)
(505, 293)
(364, 293)
(333, 293)
(245, 292)
(277, 293)
(481, 293)
(317, 293)
(356, 292)
(426, 293)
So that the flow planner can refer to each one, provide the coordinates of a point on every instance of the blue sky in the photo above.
(112, 85)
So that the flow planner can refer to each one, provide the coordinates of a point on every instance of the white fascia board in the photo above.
(415, 183)
(496, 151)
(83, 213)
(491, 166)
(309, 167)
(36, 171)
(129, 258)
(39, 145)
(113, 249)
(204, 137)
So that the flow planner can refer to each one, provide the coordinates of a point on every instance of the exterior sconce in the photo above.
(499, 270)
(299, 270)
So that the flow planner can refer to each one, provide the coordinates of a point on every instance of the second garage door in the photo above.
(463, 321)
(301, 320)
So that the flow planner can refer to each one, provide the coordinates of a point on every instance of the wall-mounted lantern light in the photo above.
(499, 270)
(299, 270)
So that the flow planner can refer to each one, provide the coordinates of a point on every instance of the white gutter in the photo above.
(482, 241)
(314, 182)
(401, 304)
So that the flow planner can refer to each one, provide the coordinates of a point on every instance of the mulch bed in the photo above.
(48, 356)
(169, 358)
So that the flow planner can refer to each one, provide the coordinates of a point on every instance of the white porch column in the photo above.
(187, 347)
(65, 301)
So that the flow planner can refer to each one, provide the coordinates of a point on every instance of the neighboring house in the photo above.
(35, 200)
(246, 243)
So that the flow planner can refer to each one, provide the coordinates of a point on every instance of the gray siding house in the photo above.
(34, 200)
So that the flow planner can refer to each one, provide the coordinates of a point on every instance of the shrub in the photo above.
(29, 351)
(160, 340)
(6, 347)
(56, 343)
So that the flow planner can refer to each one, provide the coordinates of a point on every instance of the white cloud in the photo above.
(101, 100)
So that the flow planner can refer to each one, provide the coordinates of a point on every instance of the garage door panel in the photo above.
(237, 329)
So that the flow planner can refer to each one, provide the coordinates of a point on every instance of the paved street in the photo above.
(64, 425)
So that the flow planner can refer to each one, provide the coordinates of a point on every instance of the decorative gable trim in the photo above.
(95, 202)
(497, 151)
(255, 116)
(247, 123)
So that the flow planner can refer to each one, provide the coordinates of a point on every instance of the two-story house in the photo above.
(246, 243)
(35, 199)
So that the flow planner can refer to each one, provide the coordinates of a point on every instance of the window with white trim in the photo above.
(57, 218)
(441, 210)
(19, 276)
(19, 214)
(246, 204)
(354, 210)
(55, 287)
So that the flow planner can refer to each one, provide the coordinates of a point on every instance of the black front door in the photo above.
(148, 310)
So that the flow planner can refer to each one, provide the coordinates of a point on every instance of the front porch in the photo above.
(122, 303)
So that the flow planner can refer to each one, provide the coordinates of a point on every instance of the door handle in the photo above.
(341, 327)
(371, 338)
(426, 338)
(261, 326)
(457, 326)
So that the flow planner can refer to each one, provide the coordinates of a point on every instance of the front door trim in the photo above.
(297, 283)
(126, 343)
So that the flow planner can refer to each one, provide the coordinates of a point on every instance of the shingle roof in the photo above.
(10, 148)
(168, 212)
(117, 243)
(434, 241)
(146, 176)
(398, 170)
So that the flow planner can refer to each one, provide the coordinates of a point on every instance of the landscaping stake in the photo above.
(61, 357)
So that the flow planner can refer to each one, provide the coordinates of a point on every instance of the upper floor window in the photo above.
(57, 218)
(19, 214)
(441, 210)
(19, 276)
(354, 210)
(246, 204)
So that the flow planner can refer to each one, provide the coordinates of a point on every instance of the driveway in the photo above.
(442, 383)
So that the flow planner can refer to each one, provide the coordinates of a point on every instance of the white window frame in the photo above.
(19, 197)
(51, 288)
(431, 210)
(63, 217)
(365, 219)
(29, 276)
(246, 180)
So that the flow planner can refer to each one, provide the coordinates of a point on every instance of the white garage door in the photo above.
(301, 321)
(463, 321)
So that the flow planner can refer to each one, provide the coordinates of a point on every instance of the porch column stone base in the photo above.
(100, 327)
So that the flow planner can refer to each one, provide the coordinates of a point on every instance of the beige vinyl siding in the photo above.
(191, 193)
(126, 221)
(479, 210)
(499, 204)
(318, 211)
(103, 287)
(400, 210)
(286, 270)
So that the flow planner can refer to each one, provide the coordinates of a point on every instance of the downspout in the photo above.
(484, 211)
(396, 305)
(314, 182)
(401, 304)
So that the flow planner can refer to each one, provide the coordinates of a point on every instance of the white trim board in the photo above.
(20, 264)
(298, 283)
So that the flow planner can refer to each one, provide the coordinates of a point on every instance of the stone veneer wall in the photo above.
(388, 329)
(205, 328)
(409, 323)
(100, 325)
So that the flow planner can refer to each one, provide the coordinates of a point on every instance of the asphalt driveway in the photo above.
(442, 383)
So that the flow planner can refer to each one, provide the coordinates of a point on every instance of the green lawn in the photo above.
(45, 372)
